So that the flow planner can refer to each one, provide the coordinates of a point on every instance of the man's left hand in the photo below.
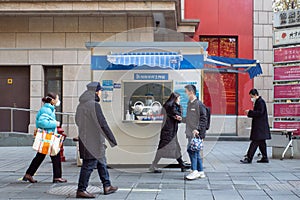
(246, 112)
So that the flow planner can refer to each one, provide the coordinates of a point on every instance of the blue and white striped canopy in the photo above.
(151, 59)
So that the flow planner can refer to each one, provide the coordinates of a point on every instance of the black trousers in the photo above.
(253, 147)
(37, 161)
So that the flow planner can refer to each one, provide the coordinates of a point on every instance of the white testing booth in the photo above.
(138, 78)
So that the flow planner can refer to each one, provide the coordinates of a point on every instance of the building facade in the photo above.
(241, 29)
(43, 45)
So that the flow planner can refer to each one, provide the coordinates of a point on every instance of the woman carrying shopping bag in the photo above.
(46, 123)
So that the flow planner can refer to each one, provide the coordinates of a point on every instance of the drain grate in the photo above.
(280, 187)
(70, 190)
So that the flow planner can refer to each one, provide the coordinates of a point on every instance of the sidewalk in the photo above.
(227, 179)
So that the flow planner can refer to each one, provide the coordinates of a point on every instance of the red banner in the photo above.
(291, 54)
(287, 91)
(288, 125)
(287, 110)
(287, 73)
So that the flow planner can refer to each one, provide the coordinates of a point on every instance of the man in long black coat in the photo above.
(93, 130)
(260, 130)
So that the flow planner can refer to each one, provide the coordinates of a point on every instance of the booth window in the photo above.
(220, 88)
(145, 92)
(53, 83)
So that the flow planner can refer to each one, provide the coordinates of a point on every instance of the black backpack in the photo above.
(208, 115)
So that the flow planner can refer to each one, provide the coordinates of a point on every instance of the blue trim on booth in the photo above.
(189, 62)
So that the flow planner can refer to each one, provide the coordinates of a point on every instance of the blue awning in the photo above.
(175, 60)
(252, 67)
(151, 59)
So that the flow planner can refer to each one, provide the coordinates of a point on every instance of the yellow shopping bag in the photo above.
(47, 143)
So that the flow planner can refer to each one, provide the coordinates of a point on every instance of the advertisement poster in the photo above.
(291, 54)
(287, 125)
(179, 88)
(286, 36)
(287, 91)
(107, 93)
(287, 110)
(288, 73)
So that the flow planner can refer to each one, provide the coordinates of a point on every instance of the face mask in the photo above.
(97, 98)
(253, 99)
(57, 103)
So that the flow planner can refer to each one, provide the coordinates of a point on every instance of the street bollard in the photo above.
(62, 156)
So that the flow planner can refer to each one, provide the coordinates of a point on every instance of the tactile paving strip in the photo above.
(281, 187)
(70, 190)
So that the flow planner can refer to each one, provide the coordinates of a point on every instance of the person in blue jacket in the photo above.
(46, 119)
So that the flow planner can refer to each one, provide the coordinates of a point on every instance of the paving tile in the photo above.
(226, 178)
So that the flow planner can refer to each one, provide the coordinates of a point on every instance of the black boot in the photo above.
(263, 160)
(246, 161)
(183, 165)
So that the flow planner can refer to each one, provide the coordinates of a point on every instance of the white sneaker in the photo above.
(193, 175)
(201, 174)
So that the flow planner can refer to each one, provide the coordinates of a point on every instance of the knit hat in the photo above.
(94, 86)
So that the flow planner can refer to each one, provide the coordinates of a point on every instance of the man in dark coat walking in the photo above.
(260, 130)
(93, 130)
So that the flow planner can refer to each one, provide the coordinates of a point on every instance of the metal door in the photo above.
(14, 92)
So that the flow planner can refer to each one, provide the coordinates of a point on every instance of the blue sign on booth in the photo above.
(151, 76)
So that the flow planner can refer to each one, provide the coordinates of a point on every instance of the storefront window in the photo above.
(220, 88)
(144, 99)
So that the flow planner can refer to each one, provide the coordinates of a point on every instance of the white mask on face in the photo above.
(253, 99)
(57, 103)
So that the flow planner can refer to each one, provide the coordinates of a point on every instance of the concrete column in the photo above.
(36, 92)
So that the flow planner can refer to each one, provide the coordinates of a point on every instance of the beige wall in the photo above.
(60, 40)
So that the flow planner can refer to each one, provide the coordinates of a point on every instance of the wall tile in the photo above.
(64, 57)
(263, 17)
(14, 24)
(77, 72)
(12, 57)
(28, 40)
(77, 40)
(44, 57)
(98, 37)
(40, 24)
(65, 24)
(7, 40)
(90, 24)
(36, 73)
(115, 24)
(53, 40)
(70, 88)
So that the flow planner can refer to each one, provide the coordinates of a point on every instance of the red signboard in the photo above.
(287, 110)
(287, 91)
(291, 54)
(289, 73)
(288, 125)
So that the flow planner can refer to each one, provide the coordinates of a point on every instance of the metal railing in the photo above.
(13, 109)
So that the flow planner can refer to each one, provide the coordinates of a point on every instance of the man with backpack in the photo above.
(197, 118)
